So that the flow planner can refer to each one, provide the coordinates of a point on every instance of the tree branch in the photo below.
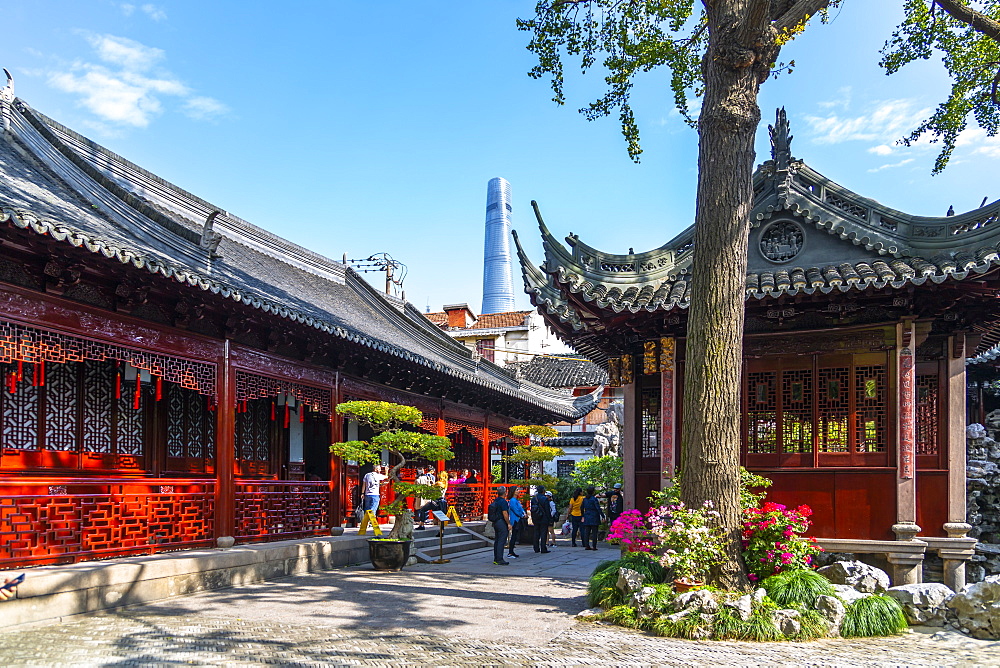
(976, 20)
(797, 13)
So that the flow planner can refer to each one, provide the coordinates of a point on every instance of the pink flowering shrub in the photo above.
(773, 541)
(630, 530)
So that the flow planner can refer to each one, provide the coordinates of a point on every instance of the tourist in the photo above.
(591, 507)
(473, 478)
(575, 512)
(541, 517)
(516, 511)
(452, 478)
(370, 485)
(499, 514)
(554, 513)
(425, 477)
(616, 503)
(463, 477)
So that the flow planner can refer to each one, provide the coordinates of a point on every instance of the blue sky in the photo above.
(358, 127)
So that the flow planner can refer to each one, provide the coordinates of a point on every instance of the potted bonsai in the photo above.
(391, 422)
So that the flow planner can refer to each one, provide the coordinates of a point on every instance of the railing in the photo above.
(64, 520)
(280, 509)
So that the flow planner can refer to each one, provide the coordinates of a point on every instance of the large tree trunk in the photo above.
(739, 55)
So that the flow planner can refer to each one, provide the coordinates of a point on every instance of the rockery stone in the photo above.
(857, 575)
(977, 608)
(925, 604)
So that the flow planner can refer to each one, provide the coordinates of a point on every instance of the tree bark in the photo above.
(740, 52)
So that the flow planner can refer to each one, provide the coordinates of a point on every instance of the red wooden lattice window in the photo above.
(816, 412)
(928, 427)
(254, 436)
(190, 431)
(72, 419)
(649, 444)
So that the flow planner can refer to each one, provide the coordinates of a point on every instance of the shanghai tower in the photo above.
(498, 284)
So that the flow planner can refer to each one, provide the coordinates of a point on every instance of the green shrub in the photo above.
(622, 615)
(760, 627)
(690, 626)
(797, 588)
(876, 615)
(814, 625)
(728, 625)
(601, 590)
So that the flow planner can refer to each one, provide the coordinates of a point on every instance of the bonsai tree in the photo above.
(391, 424)
(534, 451)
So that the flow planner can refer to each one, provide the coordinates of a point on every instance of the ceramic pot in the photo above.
(681, 586)
(388, 555)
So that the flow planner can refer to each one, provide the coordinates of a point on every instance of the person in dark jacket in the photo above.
(616, 502)
(591, 507)
(541, 517)
(499, 514)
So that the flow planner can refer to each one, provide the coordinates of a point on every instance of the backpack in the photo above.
(540, 510)
(493, 513)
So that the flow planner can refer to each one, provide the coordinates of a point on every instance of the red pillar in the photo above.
(484, 470)
(225, 447)
(337, 483)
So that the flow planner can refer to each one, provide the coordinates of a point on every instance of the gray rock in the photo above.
(856, 574)
(975, 430)
(977, 608)
(743, 606)
(629, 581)
(678, 616)
(924, 604)
(640, 600)
(759, 595)
(787, 621)
(700, 600)
(589, 612)
(849, 594)
(832, 610)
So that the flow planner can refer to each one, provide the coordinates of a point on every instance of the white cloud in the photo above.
(127, 9)
(977, 143)
(127, 53)
(204, 107)
(129, 85)
(885, 122)
(881, 149)
(154, 12)
(891, 166)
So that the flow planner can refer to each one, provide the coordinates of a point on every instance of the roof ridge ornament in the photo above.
(781, 141)
(210, 239)
(6, 99)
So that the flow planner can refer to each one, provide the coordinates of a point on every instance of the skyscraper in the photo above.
(498, 283)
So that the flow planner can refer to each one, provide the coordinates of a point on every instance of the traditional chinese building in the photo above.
(170, 371)
(859, 319)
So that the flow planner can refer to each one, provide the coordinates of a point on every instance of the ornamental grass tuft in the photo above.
(797, 588)
(622, 615)
(601, 590)
(876, 615)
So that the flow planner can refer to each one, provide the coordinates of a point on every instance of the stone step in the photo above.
(450, 549)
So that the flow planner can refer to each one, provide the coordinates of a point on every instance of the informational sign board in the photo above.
(439, 516)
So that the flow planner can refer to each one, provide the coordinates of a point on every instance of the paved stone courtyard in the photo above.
(466, 613)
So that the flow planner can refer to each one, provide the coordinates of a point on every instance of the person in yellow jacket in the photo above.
(576, 512)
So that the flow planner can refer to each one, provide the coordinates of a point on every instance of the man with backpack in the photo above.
(541, 517)
(499, 514)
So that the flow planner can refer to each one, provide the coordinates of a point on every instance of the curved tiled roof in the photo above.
(562, 371)
(94, 200)
(857, 244)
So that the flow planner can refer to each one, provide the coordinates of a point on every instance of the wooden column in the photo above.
(484, 470)
(630, 442)
(668, 410)
(441, 431)
(906, 567)
(337, 483)
(955, 407)
(225, 448)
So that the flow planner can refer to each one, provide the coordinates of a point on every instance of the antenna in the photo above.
(395, 271)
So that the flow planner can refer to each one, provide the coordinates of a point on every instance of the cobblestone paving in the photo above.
(143, 639)
(466, 613)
